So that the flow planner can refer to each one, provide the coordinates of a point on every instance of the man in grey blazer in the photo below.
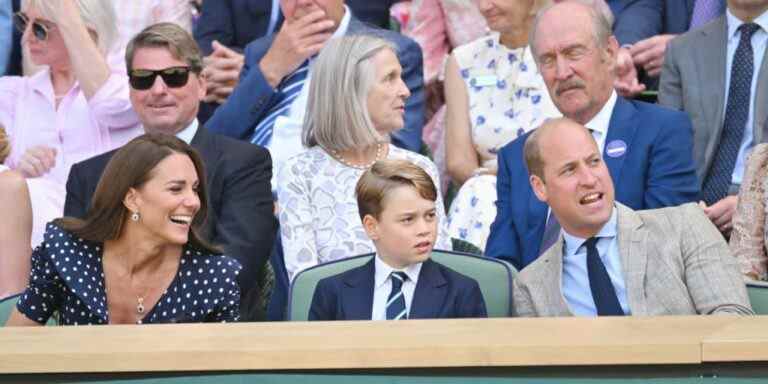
(610, 260)
(718, 74)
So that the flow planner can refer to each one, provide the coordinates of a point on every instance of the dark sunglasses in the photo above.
(173, 77)
(40, 30)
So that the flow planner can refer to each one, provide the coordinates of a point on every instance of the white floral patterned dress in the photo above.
(319, 220)
(507, 98)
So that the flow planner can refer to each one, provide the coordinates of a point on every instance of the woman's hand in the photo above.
(37, 161)
(86, 60)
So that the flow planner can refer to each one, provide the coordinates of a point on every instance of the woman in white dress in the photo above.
(494, 93)
(356, 99)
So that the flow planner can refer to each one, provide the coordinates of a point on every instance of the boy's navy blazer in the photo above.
(440, 293)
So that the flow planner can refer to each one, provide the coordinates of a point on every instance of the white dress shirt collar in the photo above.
(600, 123)
(343, 24)
(188, 133)
(383, 270)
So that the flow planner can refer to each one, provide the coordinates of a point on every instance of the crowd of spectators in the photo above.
(183, 156)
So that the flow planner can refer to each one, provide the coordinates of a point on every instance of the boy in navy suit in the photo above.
(396, 200)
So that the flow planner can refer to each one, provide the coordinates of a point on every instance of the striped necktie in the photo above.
(288, 90)
(396, 301)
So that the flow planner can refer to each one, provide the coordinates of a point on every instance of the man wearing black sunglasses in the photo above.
(164, 67)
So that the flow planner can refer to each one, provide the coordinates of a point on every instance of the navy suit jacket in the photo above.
(251, 100)
(14, 64)
(235, 23)
(641, 19)
(637, 19)
(240, 207)
(441, 293)
(655, 171)
(677, 15)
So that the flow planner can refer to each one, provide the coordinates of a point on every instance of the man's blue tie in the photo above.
(717, 182)
(603, 292)
(705, 10)
(396, 301)
(288, 90)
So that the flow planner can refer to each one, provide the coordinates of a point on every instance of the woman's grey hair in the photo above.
(599, 12)
(337, 115)
(97, 15)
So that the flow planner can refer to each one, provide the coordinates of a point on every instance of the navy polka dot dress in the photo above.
(67, 276)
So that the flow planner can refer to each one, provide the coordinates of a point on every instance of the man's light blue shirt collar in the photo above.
(734, 23)
(188, 133)
(573, 243)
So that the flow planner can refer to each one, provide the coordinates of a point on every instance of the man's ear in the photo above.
(539, 188)
(131, 200)
(611, 50)
(371, 226)
(201, 81)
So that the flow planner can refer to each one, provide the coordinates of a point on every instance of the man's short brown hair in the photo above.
(385, 175)
(170, 36)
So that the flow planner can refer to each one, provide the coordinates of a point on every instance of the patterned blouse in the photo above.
(319, 220)
(68, 276)
(507, 95)
(750, 233)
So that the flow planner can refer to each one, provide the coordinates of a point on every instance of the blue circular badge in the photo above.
(616, 148)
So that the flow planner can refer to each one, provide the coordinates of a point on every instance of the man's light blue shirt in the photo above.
(6, 35)
(759, 39)
(576, 289)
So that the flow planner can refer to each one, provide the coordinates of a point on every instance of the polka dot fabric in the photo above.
(67, 276)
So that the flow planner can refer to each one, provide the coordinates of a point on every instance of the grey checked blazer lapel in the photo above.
(633, 250)
(551, 290)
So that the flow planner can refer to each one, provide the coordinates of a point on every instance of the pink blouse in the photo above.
(78, 129)
(440, 25)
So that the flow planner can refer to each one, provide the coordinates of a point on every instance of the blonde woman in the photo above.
(74, 108)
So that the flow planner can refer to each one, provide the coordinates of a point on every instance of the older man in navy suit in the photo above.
(648, 149)
(268, 104)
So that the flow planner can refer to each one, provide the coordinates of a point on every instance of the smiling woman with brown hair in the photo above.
(137, 256)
